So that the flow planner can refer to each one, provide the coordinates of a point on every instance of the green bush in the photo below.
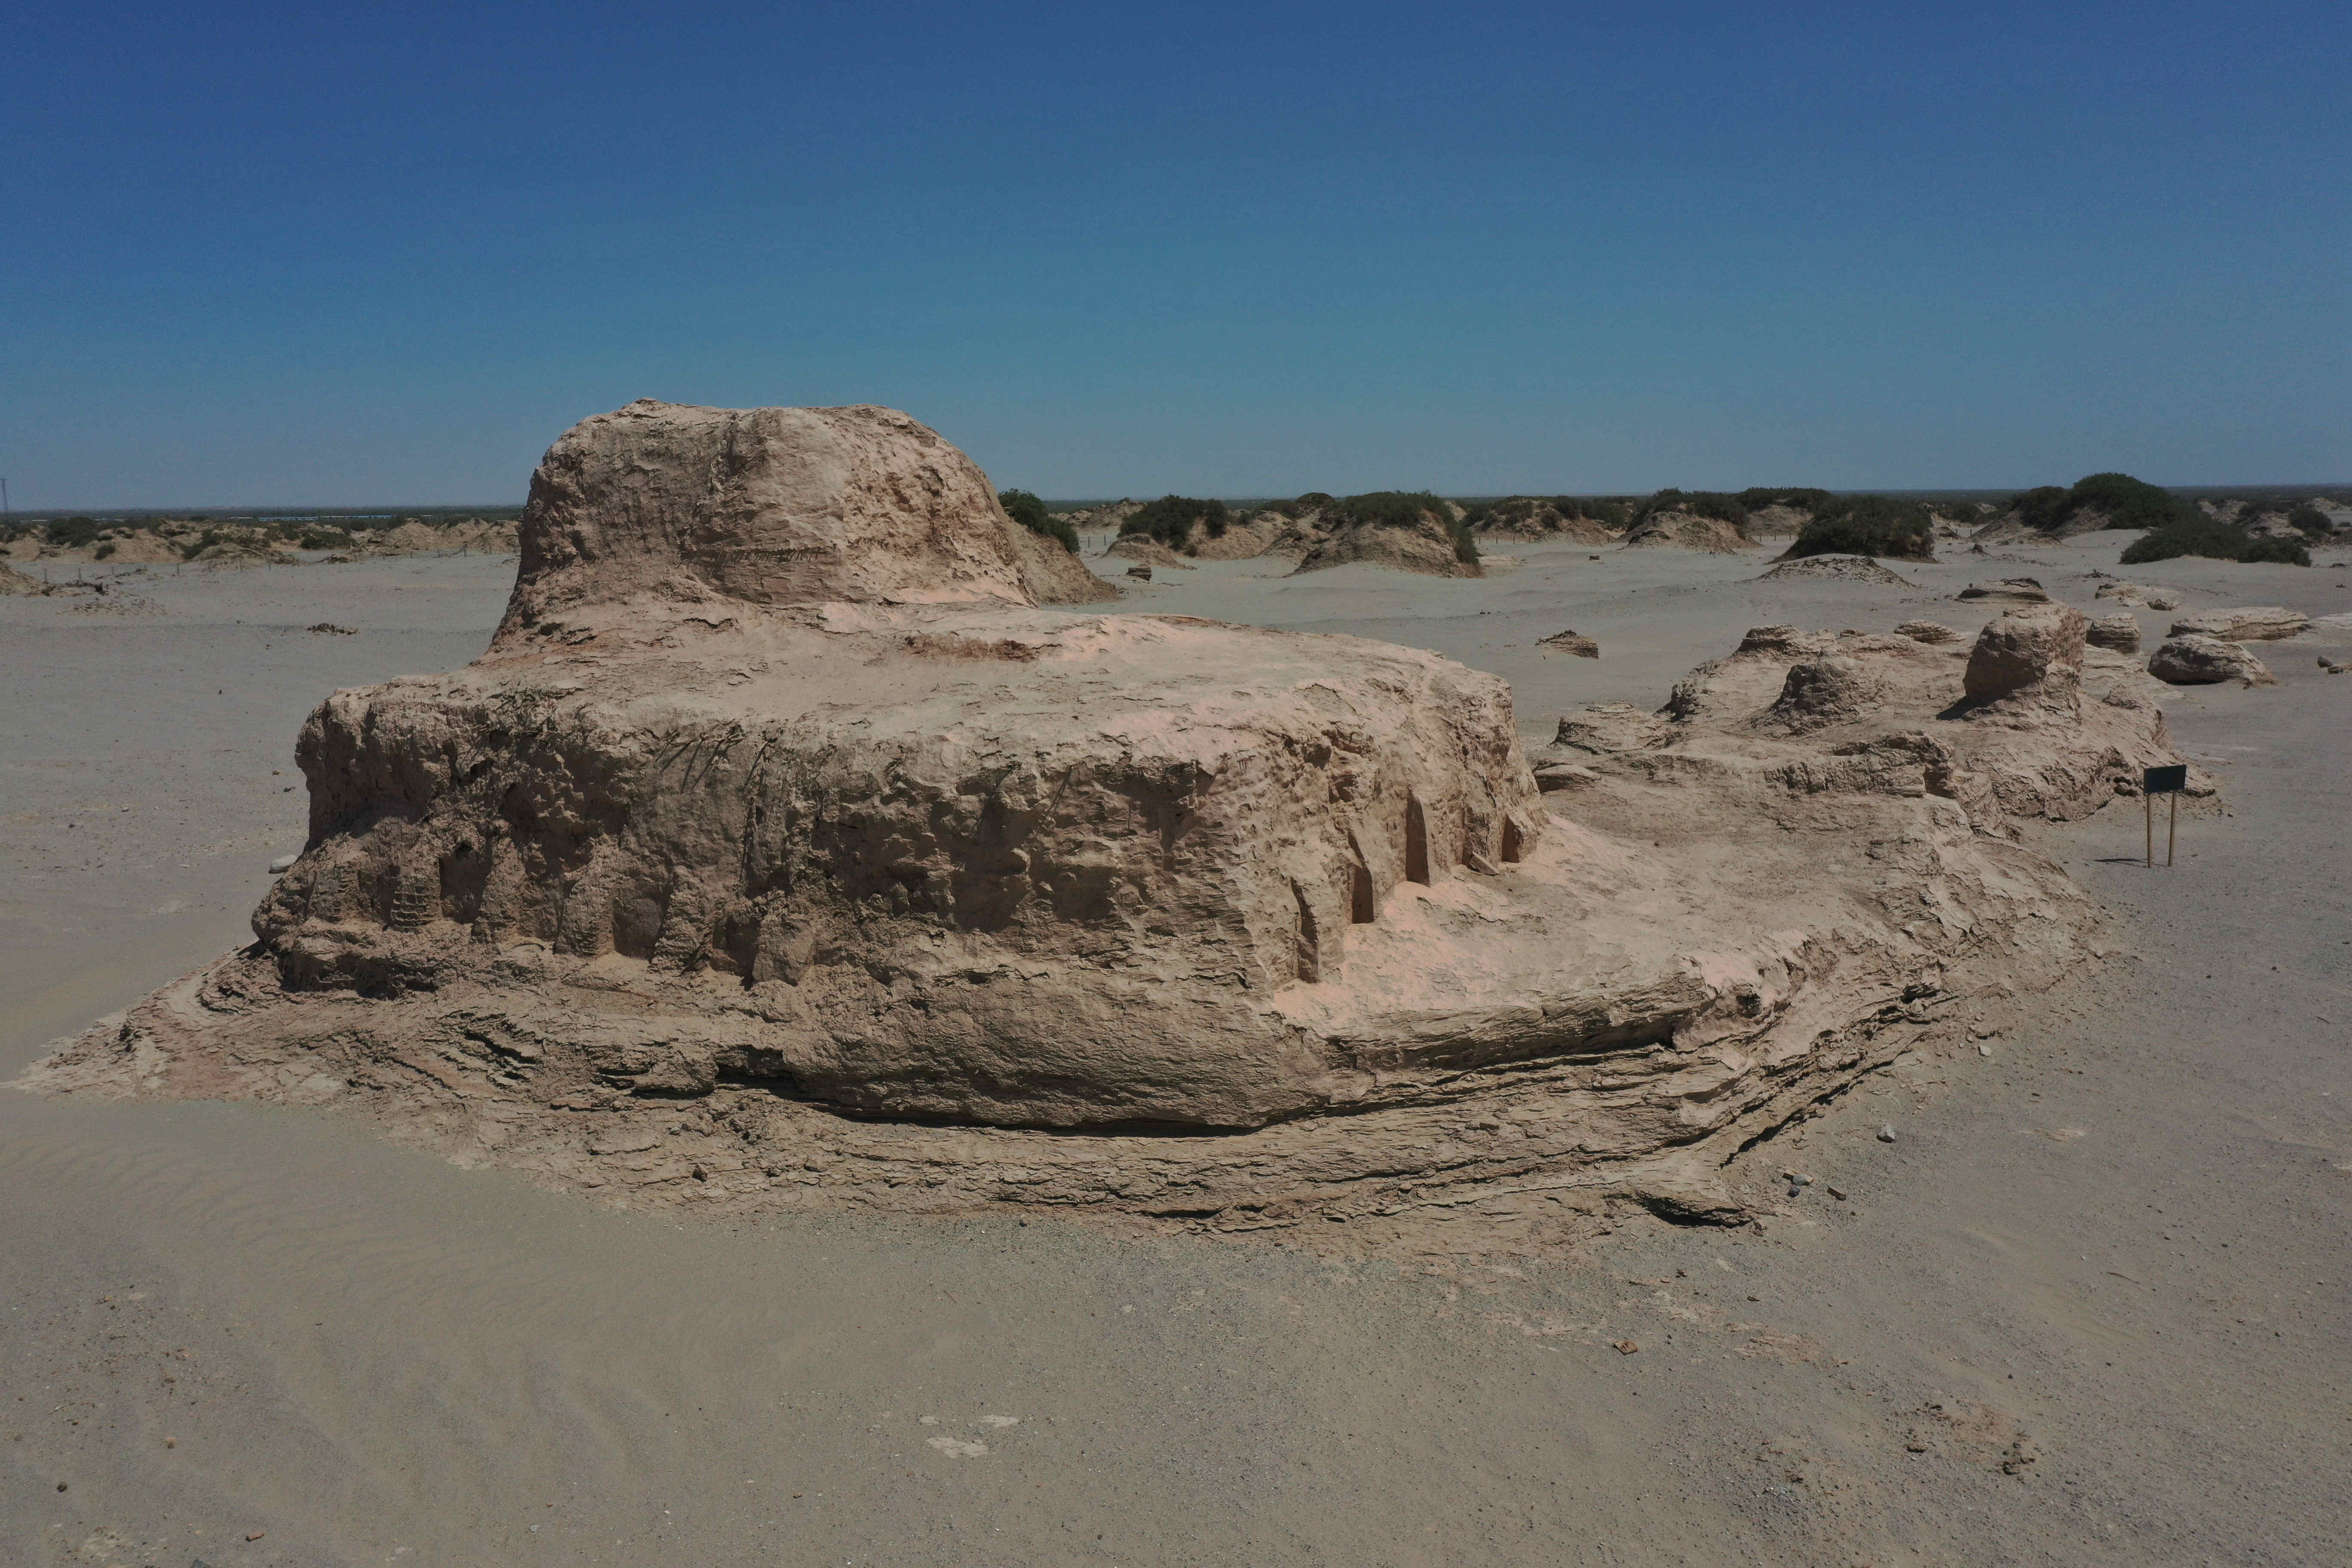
(1804, 498)
(1030, 512)
(1313, 500)
(2311, 522)
(2286, 552)
(1169, 519)
(2216, 541)
(317, 538)
(1868, 525)
(73, 533)
(2126, 501)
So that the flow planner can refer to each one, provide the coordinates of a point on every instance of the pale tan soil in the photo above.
(2111, 1254)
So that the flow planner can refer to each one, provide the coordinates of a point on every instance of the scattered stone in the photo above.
(1140, 574)
(2334, 666)
(284, 863)
(2021, 590)
(1838, 1192)
(2140, 594)
(1887, 1136)
(2259, 623)
(1623, 1347)
(1571, 642)
(2207, 661)
(329, 628)
(1929, 632)
(2119, 632)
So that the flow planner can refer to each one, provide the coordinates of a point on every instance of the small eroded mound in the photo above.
(1846, 568)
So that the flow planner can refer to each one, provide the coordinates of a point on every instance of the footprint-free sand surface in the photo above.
(2092, 1304)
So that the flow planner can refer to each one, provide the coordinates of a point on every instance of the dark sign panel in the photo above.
(2166, 781)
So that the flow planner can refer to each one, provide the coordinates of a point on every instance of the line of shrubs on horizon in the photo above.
(192, 536)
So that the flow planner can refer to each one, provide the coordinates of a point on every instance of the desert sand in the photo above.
(2087, 1305)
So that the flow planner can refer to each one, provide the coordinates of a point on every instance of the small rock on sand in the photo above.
(283, 863)
(2207, 661)
(1926, 632)
(2016, 590)
(1887, 1136)
(1571, 642)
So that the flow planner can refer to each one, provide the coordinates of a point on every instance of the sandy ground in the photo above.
(2089, 1306)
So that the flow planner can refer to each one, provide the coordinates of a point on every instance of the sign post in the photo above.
(2168, 780)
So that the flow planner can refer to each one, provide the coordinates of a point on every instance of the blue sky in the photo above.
(334, 254)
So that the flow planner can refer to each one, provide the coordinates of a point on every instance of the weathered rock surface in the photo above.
(2119, 632)
(1571, 643)
(1051, 573)
(2140, 594)
(2018, 589)
(2259, 623)
(749, 872)
(1687, 530)
(2041, 649)
(2195, 661)
(1846, 568)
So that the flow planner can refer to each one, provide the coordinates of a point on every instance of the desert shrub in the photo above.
(2126, 502)
(103, 551)
(320, 538)
(1802, 497)
(73, 533)
(2043, 508)
(1698, 504)
(1868, 525)
(2286, 552)
(1386, 508)
(1169, 519)
(2198, 535)
(2310, 522)
(1299, 506)
(1030, 512)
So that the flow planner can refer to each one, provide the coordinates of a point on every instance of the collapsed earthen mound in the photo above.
(1677, 530)
(1571, 642)
(1926, 632)
(1425, 545)
(2196, 660)
(2258, 623)
(2119, 632)
(15, 581)
(1539, 519)
(751, 872)
(1842, 568)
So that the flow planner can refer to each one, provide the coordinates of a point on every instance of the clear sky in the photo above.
(327, 253)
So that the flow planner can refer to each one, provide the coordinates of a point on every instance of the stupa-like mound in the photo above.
(782, 851)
